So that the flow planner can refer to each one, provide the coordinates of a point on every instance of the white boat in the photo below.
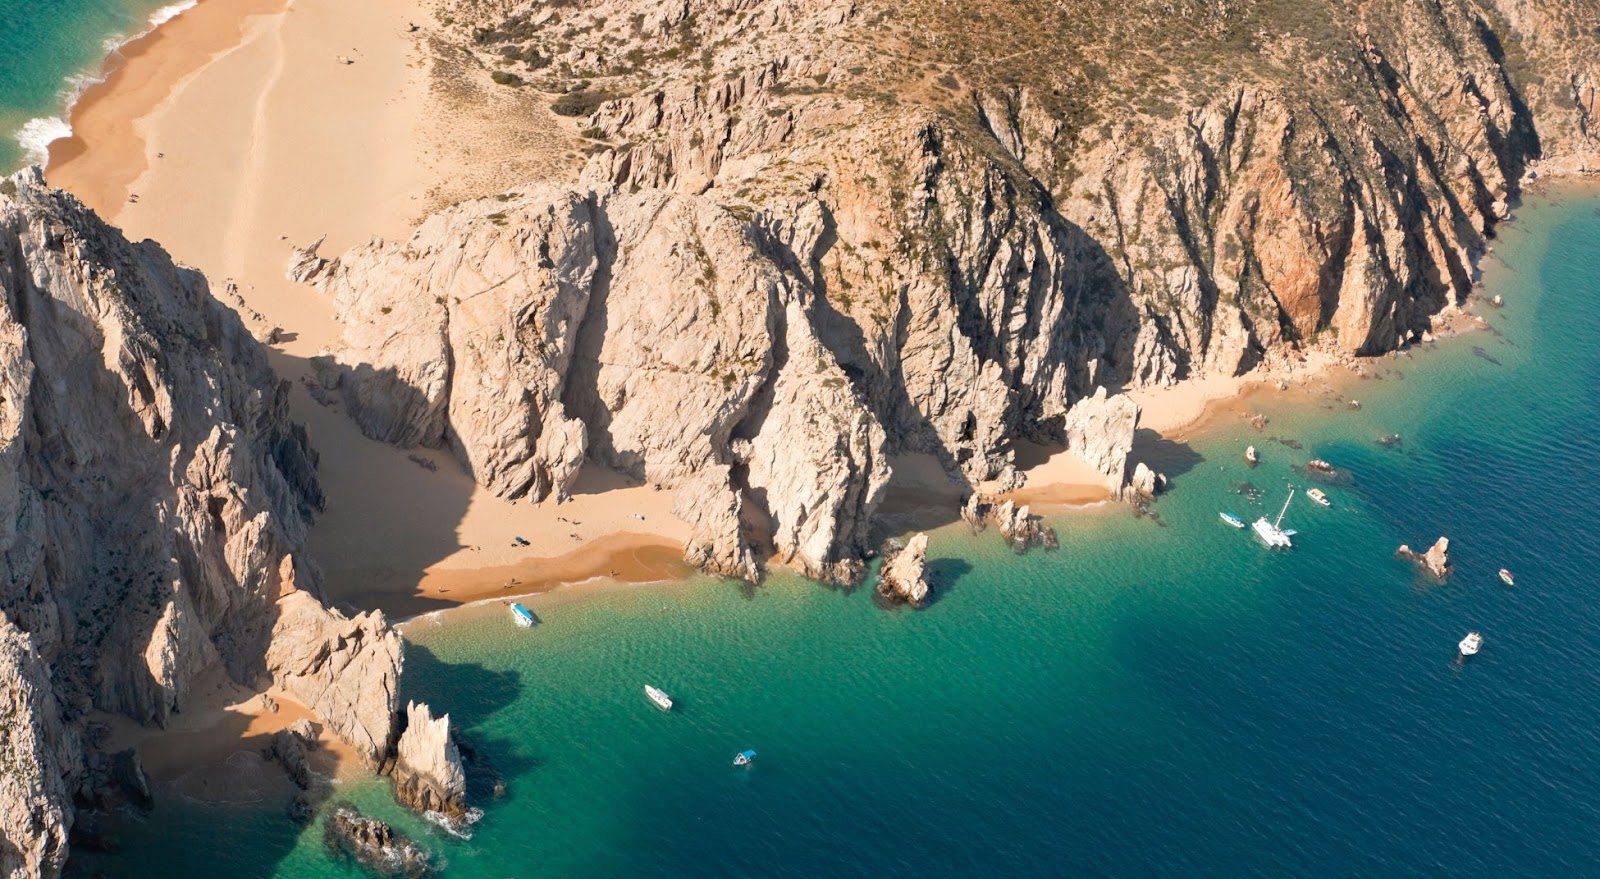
(1317, 495)
(1231, 519)
(1470, 644)
(1270, 532)
(744, 758)
(662, 700)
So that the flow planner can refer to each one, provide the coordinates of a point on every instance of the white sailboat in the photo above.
(1270, 532)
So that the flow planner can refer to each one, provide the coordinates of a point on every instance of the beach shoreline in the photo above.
(236, 132)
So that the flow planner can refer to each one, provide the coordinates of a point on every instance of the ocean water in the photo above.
(51, 51)
(1159, 697)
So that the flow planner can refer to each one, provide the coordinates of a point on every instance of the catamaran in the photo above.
(1270, 532)
(1470, 644)
(522, 615)
(1317, 496)
(662, 700)
(1231, 519)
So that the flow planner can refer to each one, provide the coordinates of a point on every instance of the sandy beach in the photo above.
(239, 130)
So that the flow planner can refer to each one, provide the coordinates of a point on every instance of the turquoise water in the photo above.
(46, 50)
(1157, 698)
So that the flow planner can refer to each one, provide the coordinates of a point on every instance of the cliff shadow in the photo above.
(471, 694)
(390, 512)
(943, 575)
(1166, 456)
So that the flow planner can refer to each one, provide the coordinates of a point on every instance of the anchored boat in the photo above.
(744, 758)
(662, 700)
(1506, 578)
(1317, 495)
(1231, 519)
(1470, 644)
(522, 615)
(1270, 532)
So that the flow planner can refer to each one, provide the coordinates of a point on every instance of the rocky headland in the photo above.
(154, 500)
(795, 239)
(808, 236)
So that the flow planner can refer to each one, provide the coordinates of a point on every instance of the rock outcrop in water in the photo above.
(905, 576)
(154, 500)
(428, 775)
(375, 845)
(1436, 561)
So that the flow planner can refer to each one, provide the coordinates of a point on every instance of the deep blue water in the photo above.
(1157, 698)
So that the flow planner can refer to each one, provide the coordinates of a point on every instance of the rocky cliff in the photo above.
(154, 500)
(813, 234)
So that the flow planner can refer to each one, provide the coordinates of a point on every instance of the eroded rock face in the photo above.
(154, 501)
(428, 774)
(345, 669)
(36, 751)
(650, 333)
(1100, 430)
(904, 576)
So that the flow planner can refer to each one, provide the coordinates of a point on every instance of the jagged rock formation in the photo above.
(852, 229)
(154, 500)
(376, 845)
(346, 670)
(651, 333)
(1436, 561)
(428, 775)
(904, 576)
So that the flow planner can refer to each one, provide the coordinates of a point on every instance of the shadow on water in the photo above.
(472, 695)
(943, 574)
(1163, 455)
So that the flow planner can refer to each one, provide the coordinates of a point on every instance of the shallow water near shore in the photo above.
(46, 56)
(1162, 696)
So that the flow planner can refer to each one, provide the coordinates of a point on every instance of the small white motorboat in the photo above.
(1317, 495)
(1471, 644)
(1231, 519)
(662, 700)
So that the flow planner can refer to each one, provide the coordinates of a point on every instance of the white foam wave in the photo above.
(36, 135)
(461, 829)
(169, 12)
